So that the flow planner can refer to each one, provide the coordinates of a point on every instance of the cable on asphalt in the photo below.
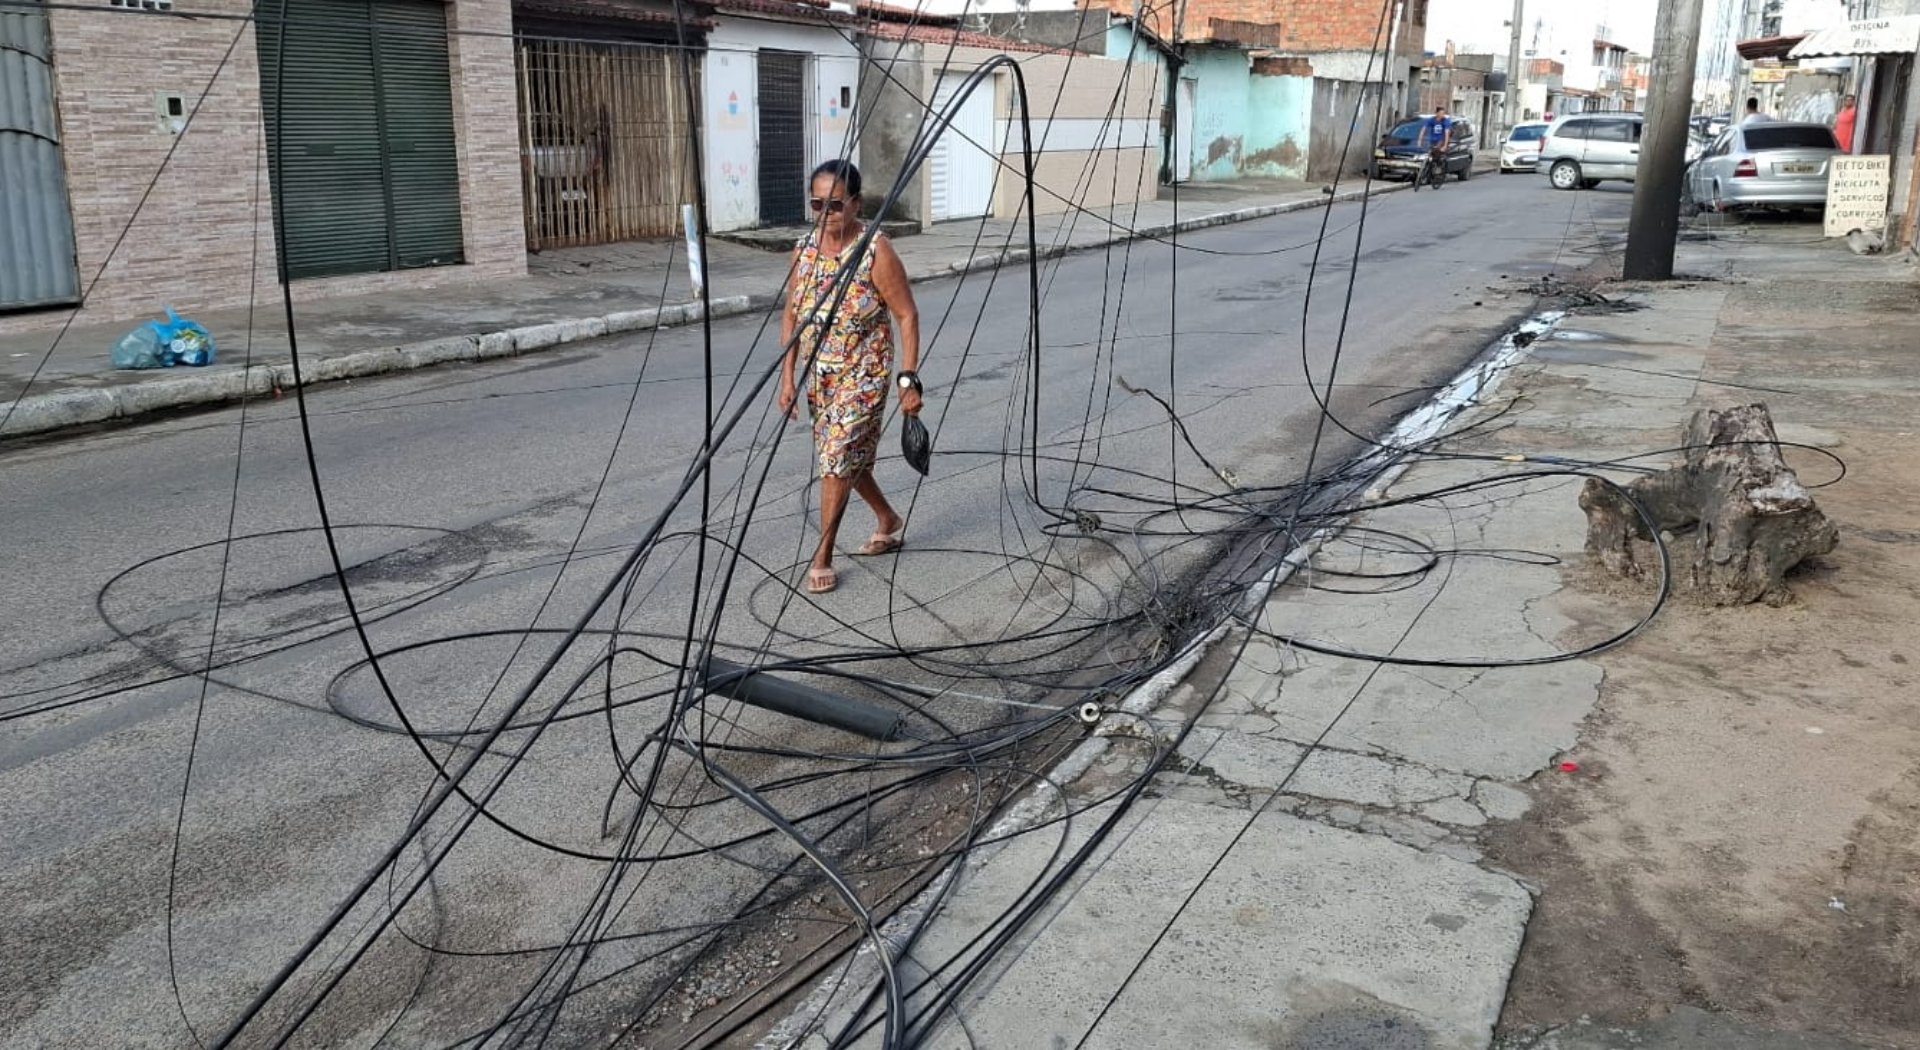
(1102, 572)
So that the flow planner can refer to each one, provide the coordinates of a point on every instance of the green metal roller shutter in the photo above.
(359, 112)
(417, 117)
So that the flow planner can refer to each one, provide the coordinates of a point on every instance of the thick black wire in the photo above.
(1175, 506)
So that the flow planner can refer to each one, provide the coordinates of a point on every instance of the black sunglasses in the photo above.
(819, 204)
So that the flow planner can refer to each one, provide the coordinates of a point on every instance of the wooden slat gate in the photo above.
(604, 141)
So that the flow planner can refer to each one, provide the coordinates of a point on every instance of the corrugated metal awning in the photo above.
(1873, 36)
(1767, 47)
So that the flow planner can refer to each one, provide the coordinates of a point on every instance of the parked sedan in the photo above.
(1773, 164)
(1520, 150)
(1400, 151)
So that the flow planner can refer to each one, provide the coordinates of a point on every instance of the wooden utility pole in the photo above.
(1655, 225)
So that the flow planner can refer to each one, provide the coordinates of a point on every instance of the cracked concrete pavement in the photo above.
(1306, 870)
(1309, 869)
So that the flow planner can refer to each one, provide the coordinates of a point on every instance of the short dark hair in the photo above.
(843, 172)
(1753, 103)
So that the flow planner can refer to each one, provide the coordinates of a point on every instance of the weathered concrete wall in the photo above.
(1279, 133)
(1221, 110)
(893, 84)
(1343, 131)
(1083, 31)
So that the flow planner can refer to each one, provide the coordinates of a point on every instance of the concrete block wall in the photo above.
(895, 86)
(202, 239)
(1345, 116)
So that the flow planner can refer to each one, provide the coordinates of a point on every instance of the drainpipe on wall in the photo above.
(1392, 63)
(1169, 118)
(1176, 61)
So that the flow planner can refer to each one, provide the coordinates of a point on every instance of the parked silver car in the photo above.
(1582, 150)
(1769, 164)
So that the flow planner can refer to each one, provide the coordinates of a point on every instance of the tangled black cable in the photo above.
(669, 782)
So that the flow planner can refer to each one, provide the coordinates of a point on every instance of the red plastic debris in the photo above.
(1569, 767)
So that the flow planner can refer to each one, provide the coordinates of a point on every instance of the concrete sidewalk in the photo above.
(1351, 853)
(47, 383)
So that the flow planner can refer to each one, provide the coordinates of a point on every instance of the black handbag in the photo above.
(916, 446)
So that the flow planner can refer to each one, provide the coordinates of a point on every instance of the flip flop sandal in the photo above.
(820, 581)
(882, 543)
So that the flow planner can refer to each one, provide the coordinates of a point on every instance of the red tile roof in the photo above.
(617, 11)
(1767, 47)
(902, 13)
(816, 12)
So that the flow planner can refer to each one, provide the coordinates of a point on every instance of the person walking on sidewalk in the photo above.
(851, 351)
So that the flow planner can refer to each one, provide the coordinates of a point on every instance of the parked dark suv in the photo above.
(1400, 151)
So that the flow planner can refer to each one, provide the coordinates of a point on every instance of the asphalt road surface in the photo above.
(169, 838)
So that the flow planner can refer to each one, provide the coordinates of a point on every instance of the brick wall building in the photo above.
(170, 210)
(1346, 36)
(1291, 26)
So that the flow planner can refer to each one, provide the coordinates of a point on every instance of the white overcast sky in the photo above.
(1480, 25)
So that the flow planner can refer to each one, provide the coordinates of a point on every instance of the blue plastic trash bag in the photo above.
(177, 341)
(139, 348)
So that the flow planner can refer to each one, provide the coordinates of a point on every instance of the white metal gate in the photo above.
(1183, 130)
(37, 265)
(961, 173)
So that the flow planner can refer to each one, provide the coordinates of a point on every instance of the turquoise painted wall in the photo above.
(1221, 108)
(1121, 40)
(1279, 126)
(1124, 44)
(1243, 124)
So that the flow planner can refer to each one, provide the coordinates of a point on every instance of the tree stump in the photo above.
(1739, 515)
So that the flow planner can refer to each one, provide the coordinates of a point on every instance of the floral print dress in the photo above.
(853, 369)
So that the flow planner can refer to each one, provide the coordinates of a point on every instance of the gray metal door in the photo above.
(36, 227)
(783, 137)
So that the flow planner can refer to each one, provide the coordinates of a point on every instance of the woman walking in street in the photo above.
(851, 353)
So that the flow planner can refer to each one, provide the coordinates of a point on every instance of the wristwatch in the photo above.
(909, 380)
